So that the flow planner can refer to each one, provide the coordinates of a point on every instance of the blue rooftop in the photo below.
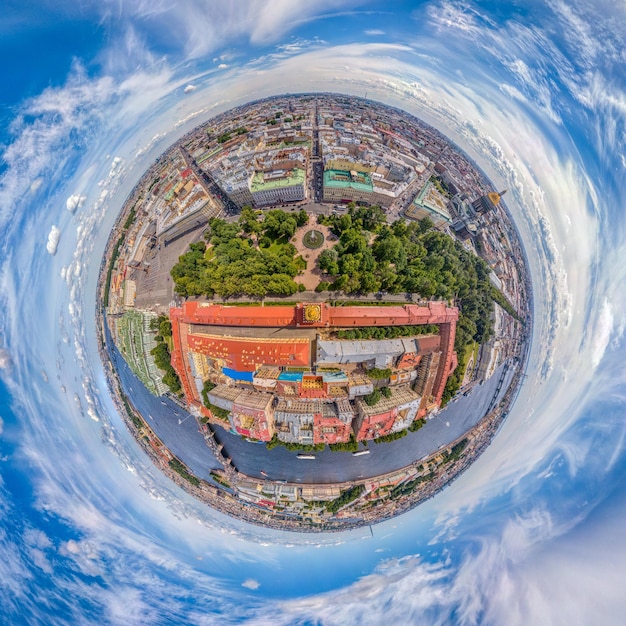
(246, 376)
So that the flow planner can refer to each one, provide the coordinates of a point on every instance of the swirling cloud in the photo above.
(541, 114)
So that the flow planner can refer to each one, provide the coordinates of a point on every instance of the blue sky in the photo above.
(94, 92)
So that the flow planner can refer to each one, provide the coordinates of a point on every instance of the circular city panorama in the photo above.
(314, 312)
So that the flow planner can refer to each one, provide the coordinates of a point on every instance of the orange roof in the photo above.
(409, 360)
(345, 316)
(245, 354)
(179, 340)
(221, 315)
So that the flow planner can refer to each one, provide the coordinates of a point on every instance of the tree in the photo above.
(417, 424)
(426, 224)
(352, 240)
(302, 218)
(388, 248)
(162, 360)
(234, 265)
(248, 221)
(327, 262)
(370, 218)
(221, 231)
(371, 399)
(369, 283)
(279, 224)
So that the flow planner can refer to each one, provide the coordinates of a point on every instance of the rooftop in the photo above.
(225, 392)
(247, 354)
(298, 406)
(400, 396)
(368, 349)
(430, 199)
(341, 179)
(253, 400)
(264, 181)
(343, 317)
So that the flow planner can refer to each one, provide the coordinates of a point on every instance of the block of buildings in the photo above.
(347, 186)
(294, 420)
(252, 415)
(379, 353)
(488, 202)
(278, 186)
(388, 415)
(274, 384)
(430, 203)
(334, 424)
(136, 340)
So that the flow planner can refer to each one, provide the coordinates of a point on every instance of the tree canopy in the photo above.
(236, 264)
(372, 256)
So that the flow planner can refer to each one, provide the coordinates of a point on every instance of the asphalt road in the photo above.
(329, 467)
(180, 433)
(176, 428)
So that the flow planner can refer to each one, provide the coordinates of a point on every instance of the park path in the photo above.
(311, 275)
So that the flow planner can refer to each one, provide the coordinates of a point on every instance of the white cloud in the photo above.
(222, 66)
(53, 240)
(189, 88)
(202, 29)
(5, 358)
(250, 583)
(402, 591)
(602, 335)
(75, 201)
(35, 185)
(42, 134)
(374, 31)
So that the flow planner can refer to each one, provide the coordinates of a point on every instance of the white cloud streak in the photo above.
(515, 125)
(53, 240)
(74, 202)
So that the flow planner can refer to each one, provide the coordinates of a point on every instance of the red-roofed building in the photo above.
(284, 367)
(331, 425)
(388, 415)
(376, 424)
(247, 354)
(252, 415)
(320, 315)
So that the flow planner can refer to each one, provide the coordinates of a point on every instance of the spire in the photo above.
(495, 196)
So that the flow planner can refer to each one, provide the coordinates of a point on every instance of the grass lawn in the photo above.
(277, 246)
(470, 355)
